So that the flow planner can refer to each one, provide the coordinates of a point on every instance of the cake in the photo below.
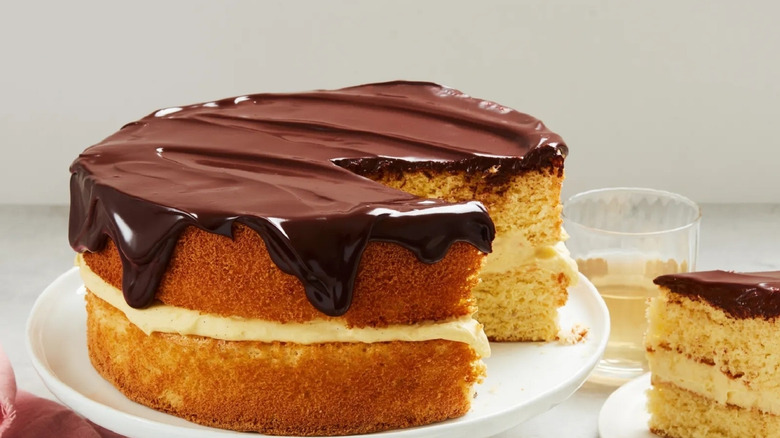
(308, 263)
(714, 355)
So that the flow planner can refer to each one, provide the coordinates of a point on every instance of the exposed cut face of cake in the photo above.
(274, 239)
(714, 353)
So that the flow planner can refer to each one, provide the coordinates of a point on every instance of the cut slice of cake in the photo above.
(714, 354)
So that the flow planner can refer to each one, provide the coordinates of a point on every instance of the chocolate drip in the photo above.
(285, 166)
(740, 294)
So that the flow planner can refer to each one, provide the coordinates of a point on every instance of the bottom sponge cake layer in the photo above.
(283, 388)
(678, 413)
(521, 305)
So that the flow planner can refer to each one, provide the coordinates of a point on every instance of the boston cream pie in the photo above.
(304, 263)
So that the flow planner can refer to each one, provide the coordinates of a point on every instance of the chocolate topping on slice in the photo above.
(740, 294)
(285, 165)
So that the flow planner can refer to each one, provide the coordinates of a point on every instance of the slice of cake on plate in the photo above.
(713, 345)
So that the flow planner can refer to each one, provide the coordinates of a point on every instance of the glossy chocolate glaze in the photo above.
(740, 294)
(285, 165)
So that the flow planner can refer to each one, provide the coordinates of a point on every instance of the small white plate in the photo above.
(624, 414)
(524, 379)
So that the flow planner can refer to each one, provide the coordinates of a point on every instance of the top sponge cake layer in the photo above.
(283, 165)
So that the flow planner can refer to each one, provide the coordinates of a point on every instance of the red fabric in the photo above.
(23, 415)
(7, 394)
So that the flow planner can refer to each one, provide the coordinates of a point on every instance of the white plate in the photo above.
(624, 414)
(524, 379)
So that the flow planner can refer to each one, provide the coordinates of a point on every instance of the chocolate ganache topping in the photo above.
(285, 165)
(740, 294)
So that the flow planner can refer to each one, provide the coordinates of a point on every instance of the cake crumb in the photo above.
(576, 334)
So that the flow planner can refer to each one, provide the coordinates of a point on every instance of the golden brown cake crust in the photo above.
(283, 388)
(214, 274)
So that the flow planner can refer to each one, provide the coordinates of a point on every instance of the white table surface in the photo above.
(34, 251)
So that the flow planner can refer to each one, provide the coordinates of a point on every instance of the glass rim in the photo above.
(693, 222)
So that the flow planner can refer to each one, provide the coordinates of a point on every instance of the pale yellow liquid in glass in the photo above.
(626, 304)
(625, 282)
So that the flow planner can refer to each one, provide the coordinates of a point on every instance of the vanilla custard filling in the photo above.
(164, 318)
(511, 251)
(710, 382)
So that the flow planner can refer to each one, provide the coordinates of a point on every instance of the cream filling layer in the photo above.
(164, 318)
(511, 251)
(709, 381)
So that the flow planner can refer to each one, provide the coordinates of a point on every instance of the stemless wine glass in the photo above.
(622, 238)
